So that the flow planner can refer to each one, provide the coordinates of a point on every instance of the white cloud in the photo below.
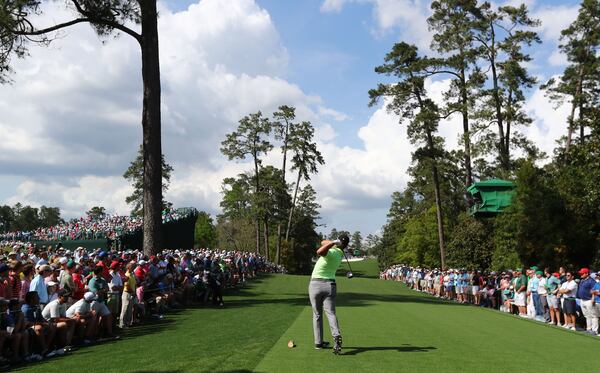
(76, 198)
(76, 126)
(365, 178)
(336, 115)
(408, 17)
(550, 121)
(333, 5)
(555, 19)
(79, 103)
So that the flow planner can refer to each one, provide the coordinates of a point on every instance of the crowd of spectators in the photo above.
(565, 298)
(53, 300)
(91, 228)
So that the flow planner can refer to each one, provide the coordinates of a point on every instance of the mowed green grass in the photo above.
(385, 326)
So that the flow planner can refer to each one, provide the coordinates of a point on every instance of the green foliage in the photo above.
(503, 35)
(418, 243)
(135, 175)
(505, 243)
(235, 233)
(205, 232)
(356, 242)
(579, 83)
(334, 234)
(96, 212)
(470, 246)
(28, 218)
(250, 139)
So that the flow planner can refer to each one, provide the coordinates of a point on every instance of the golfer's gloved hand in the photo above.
(337, 243)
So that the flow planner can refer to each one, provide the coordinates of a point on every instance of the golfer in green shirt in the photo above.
(322, 290)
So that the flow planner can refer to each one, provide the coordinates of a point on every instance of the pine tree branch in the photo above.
(106, 22)
(50, 29)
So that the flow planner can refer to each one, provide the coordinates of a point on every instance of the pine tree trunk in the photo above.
(508, 120)
(278, 251)
(439, 216)
(575, 103)
(256, 217)
(503, 152)
(436, 188)
(571, 126)
(289, 223)
(285, 147)
(466, 129)
(151, 123)
(266, 237)
(581, 124)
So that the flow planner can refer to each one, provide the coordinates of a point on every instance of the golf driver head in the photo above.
(349, 274)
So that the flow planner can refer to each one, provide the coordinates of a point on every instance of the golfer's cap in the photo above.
(585, 271)
(89, 296)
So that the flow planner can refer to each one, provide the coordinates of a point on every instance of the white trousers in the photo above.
(590, 313)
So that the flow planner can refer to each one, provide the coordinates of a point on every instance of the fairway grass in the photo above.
(385, 326)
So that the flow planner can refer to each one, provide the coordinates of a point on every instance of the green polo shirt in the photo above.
(327, 265)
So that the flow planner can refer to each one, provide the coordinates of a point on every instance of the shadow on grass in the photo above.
(403, 348)
(158, 371)
(344, 299)
(357, 274)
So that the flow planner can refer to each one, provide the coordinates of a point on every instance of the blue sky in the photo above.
(221, 60)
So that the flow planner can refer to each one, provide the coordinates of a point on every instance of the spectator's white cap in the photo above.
(51, 283)
(89, 296)
(142, 262)
(63, 260)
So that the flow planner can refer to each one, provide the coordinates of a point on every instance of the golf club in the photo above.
(349, 274)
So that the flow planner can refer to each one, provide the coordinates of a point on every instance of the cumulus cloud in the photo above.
(71, 121)
(408, 17)
(75, 107)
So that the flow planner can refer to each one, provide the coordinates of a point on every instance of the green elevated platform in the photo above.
(491, 197)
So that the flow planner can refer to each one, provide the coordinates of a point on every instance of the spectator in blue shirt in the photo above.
(43, 331)
(584, 293)
(38, 283)
(596, 296)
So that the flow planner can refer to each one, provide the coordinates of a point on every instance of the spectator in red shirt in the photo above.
(104, 263)
(14, 280)
(79, 283)
(3, 280)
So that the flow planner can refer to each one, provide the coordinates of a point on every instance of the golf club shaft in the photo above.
(347, 261)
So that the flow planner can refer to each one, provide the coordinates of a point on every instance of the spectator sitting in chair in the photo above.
(85, 319)
(42, 330)
(55, 312)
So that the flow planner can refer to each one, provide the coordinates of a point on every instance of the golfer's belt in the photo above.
(321, 280)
